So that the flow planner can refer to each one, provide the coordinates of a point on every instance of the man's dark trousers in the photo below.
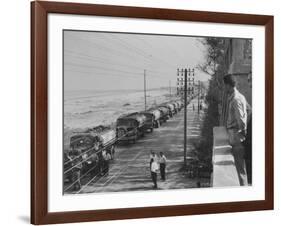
(162, 171)
(154, 179)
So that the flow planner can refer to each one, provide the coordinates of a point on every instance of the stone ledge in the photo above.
(224, 170)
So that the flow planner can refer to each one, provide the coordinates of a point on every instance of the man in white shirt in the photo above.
(153, 170)
(236, 125)
(153, 156)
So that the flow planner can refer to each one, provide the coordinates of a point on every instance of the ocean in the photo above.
(87, 108)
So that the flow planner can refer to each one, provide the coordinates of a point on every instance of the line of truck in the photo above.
(87, 147)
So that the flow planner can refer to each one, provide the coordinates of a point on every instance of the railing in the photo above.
(224, 169)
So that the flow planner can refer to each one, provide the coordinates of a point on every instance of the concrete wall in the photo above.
(224, 169)
(241, 66)
(241, 59)
(238, 59)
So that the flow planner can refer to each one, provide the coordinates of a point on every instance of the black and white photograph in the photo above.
(151, 112)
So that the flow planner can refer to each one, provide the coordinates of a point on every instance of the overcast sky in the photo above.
(114, 61)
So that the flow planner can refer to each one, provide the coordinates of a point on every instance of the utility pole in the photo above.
(193, 85)
(178, 79)
(144, 88)
(199, 96)
(185, 119)
(170, 89)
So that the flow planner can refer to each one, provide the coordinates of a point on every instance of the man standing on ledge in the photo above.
(236, 125)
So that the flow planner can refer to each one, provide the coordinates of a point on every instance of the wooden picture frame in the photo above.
(39, 111)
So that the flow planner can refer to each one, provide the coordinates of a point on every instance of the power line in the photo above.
(127, 47)
(114, 74)
(147, 43)
(110, 63)
(105, 61)
(106, 69)
(106, 49)
(81, 177)
(100, 68)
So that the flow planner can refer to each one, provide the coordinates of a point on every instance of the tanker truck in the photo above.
(90, 144)
(156, 115)
(164, 113)
(177, 104)
(170, 107)
(180, 104)
(130, 127)
(152, 119)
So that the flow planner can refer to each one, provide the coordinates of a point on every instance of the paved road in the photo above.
(129, 171)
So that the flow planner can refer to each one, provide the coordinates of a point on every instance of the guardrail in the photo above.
(224, 169)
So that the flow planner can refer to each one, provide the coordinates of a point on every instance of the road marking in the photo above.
(117, 174)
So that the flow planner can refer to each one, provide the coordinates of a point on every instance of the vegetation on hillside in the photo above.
(215, 66)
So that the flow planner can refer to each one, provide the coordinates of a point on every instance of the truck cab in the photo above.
(88, 145)
(165, 112)
(130, 127)
(149, 120)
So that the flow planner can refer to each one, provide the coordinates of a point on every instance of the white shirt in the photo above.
(154, 167)
(237, 111)
(154, 157)
(162, 159)
(106, 156)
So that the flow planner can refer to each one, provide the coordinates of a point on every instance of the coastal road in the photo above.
(129, 171)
